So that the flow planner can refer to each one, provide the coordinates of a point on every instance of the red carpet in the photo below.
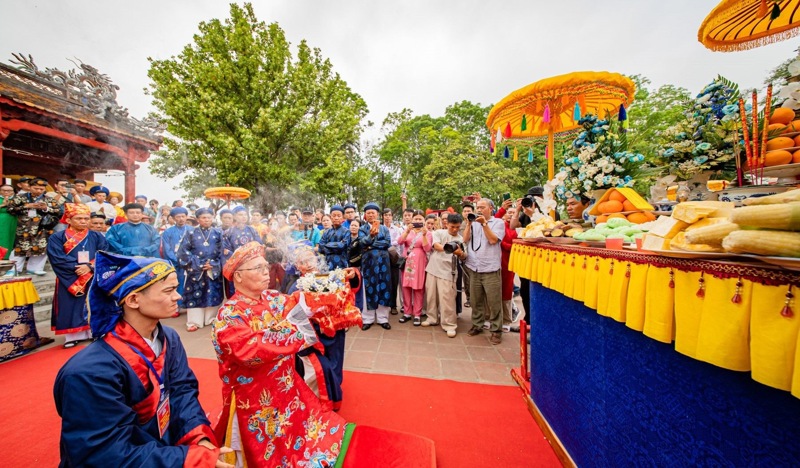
(471, 424)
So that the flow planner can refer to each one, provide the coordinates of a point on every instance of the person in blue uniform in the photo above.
(236, 236)
(375, 240)
(349, 214)
(171, 241)
(133, 237)
(335, 241)
(71, 253)
(130, 398)
(304, 229)
(200, 256)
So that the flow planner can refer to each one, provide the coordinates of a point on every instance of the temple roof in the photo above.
(86, 96)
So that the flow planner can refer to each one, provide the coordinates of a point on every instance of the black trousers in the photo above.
(395, 271)
(525, 295)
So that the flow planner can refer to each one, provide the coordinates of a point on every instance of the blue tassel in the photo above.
(505, 153)
(623, 115)
(530, 154)
(576, 114)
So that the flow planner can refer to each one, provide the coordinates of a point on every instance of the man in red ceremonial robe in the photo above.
(129, 399)
(270, 417)
(71, 253)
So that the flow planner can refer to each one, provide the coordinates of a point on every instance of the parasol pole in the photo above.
(551, 165)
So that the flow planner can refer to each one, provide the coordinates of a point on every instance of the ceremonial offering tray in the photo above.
(687, 254)
(786, 173)
(561, 240)
(739, 194)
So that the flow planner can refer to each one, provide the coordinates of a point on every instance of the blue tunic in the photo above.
(68, 314)
(375, 267)
(106, 420)
(170, 242)
(133, 239)
(236, 237)
(334, 245)
(202, 288)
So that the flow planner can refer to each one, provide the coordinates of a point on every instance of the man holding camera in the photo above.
(304, 229)
(482, 237)
(440, 286)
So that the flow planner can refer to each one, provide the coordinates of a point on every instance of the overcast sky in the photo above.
(422, 55)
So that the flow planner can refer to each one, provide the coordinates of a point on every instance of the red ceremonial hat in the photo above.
(72, 209)
(241, 256)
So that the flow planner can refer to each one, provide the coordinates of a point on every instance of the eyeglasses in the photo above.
(261, 269)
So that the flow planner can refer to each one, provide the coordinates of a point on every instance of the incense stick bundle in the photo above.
(756, 148)
(746, 135)
(767, 111)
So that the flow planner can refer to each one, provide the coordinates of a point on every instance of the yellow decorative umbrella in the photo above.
(746, 24)
(554, 105)
(227, 193)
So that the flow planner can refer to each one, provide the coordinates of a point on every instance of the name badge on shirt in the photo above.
(83, 256)
(31, 213)
(162, 413)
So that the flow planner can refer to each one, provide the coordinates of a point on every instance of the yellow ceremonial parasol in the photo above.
(227, 193)
(555, 105)
(746, 24)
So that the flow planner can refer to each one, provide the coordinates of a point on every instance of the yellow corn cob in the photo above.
(772, 243)
(711, 234)
(783, 217)
(777, 199)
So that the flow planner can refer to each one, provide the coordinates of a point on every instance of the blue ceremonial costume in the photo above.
(63, 249)
(170, 242)
(202, 288)
(375, 267)
(138, 239)
(124, 401)
(334, 245)
(236, 237)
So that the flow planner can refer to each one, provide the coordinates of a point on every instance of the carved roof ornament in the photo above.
(89, 88)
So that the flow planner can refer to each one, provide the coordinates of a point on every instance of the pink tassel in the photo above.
(546, 115)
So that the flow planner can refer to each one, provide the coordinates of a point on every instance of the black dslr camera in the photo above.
(452, 246)
(527, 201)
(471, 217)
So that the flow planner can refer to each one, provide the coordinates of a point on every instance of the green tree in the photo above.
(652, 112)
(241, 109)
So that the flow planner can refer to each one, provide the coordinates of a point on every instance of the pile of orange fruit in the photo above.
(779, 147)
(617, 206)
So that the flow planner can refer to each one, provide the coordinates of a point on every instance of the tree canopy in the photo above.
(241, 109)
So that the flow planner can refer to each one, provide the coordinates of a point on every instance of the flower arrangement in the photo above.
(704, 140)
(333, 282)
(598, 159)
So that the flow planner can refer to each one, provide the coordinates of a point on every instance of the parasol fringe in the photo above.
(752, 43)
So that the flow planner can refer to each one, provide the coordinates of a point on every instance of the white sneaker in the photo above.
(451, 333)
(506, 328)
(487, 325)
(514, 312)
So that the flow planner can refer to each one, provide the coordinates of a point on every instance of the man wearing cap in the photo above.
(225, 219)
(375, 241)
(115, 198)
(23, 185)
(305, 230)
(335, 241)
(130, 398)
(256, 335)
(171, 242)
(100, 194)
(236, 236)
(133, 237)
(97, 223)
(80, 188)
(200, 257)
(71, 253)
(31, 208)
(349, 214)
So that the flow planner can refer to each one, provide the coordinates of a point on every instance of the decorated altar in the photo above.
(18, 333)
(663, 361)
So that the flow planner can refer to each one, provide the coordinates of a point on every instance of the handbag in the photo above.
(48, 221)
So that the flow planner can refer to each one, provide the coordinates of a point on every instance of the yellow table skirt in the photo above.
(17, 292)
(729, 315)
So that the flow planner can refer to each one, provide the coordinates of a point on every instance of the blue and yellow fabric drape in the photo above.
(689, 302)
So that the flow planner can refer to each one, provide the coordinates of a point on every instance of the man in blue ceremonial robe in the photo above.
(133, 237)
(375, 240)
(200, 256)
(349, 214)
(71, 253)
(236, 236)
(335, 241)
(171, 241)
(130, 398)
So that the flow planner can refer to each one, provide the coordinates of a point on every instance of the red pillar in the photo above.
(130, 176)
(3, 135)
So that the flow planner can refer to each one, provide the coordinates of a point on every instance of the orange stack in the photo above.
(623, 203)
(783, 148)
